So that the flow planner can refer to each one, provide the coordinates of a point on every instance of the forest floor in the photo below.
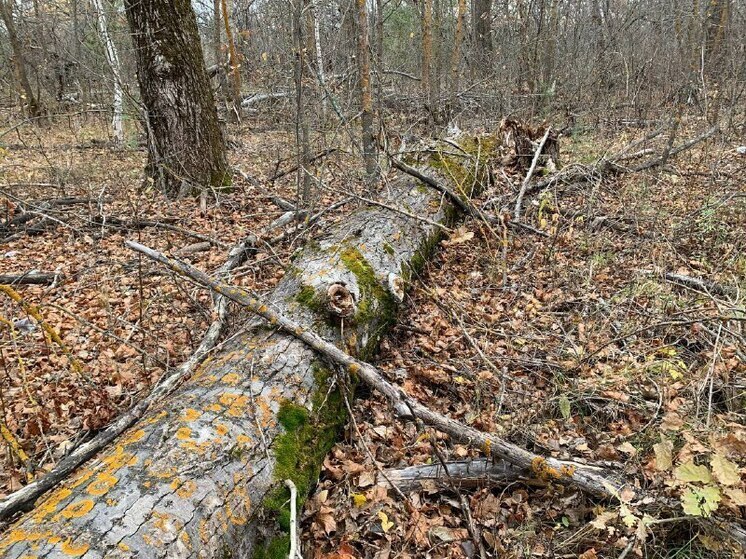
(571, 345)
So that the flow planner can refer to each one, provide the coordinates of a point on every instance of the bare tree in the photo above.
(33, 105)
(481, 28)
(457, 43)
(427, 53)
(301, 120)
(232, 62)
(366, 96)
(113, 59)
(186, 148)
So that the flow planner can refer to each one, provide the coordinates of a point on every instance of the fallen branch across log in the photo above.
(591, 480)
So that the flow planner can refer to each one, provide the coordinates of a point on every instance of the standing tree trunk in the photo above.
(217, 47)
(427, 51)
(186, 152)
(113, 60)
(303, 181)
(34, 107)
(481, 28)
(233, 63)
(457, 43)
(319, 59)
(366, 97)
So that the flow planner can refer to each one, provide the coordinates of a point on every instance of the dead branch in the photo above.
(607, 166)
(594, 481)
(30, 278)
(701, 284)
(462, 203)
(259, 97)
(294, 168)
(465, 474)
(524, 185)
(119, 223)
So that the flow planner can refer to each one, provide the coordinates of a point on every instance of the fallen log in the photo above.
(30, 278)
(203, 471)
(699, 284)
(596, 481)
(463, 474)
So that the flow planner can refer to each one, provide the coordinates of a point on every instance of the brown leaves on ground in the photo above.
(126, 320)
(573, 347)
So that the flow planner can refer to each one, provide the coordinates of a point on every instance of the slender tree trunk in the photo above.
(379, 62)
(33, 105)
(457, 44)
(379, 34)
(366, 97)
(427, 52)
(233, 62)
(319, 59)
(482, 32)
(427, 44)
(186, 150)
(301, 118)
(113, 60)
(74, 7)
(222, 92)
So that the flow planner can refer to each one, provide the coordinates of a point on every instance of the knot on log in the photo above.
(340, 301)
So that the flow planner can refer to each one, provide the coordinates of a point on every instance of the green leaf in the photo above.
(691, 472)
(700, 501)
(564, 406)
(725, 471)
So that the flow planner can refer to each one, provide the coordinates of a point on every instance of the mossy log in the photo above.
(201, 475)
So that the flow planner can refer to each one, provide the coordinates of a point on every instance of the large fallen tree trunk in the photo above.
(203, 472)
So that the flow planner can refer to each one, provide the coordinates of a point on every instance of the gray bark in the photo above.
(186, 152)
(202, 473)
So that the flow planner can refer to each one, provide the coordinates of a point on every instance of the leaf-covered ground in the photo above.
(122, 321)
(573, 344)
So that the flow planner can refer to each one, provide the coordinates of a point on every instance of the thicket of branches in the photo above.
(440, 59)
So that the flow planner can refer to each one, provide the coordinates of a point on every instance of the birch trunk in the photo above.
(112, 58)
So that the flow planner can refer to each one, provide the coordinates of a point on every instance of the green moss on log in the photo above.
(277, 548)
(376, 305)
(307, 297)
(299, 452)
